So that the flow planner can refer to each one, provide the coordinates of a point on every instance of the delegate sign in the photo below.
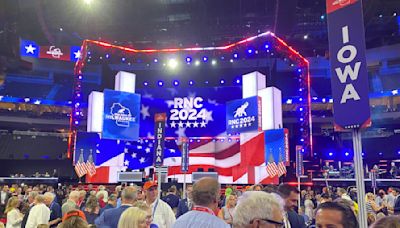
(348, 64)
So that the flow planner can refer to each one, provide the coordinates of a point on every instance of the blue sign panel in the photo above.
(185, 155)
(159, 132)
(121, 115)
(348, 64)
(277, 145)
(299, 161)
(243, 115)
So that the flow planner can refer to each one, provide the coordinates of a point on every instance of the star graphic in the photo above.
(77, 54)
(134, 155)
(181, 132)
(173, 124)
(128, 143)
(97, 151)
(203, 124)
(173, 91)
(214, 102)
(147, 150)
(118, 141)
(148, 96)
(180, 124)
(249, 124)
(149, 135)
(233, 126)
(139, 147)
(126, 150)
(188, 124)
(195, 124)
(169, 103)
(244, 125)
(37, 102)
(145, 112)
(126, 163)
(142, 160)
(172, 150)
(30, 49)
(191, 94)
(240, 125)
(209, 116)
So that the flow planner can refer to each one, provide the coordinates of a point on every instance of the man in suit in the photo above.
(110, 217)
(112, 203)
(55, 209)
(396, 207)
(186, 204)
(290, 195)
(334, 214)
(31, 199)
(4, 196)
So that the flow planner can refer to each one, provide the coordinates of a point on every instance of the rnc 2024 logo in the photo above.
(240, 117)
(121, 114)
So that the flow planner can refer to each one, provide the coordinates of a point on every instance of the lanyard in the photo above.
(155, 208)
(203, 209)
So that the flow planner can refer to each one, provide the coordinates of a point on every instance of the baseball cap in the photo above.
(73, 213)
(149, 184)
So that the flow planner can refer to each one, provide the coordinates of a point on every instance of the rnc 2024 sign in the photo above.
(121, 115)
(243, 115)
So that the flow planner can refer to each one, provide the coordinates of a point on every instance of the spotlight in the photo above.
(237, 81)
(323, 100)
(176, 83)
(346, 154)
(250, 51)
(123, 59)
(222, 81)
(145, 83)
(107, 56)
(160, 83)
(155, 60)
(330, 154)
(266, 46)
(214, 62)
(76, 122)
(88, 2)
(191, 82)
(301, 119)
(305, 37)
(197, 63)
(231, 60)
(235, 55)
(301, 109)
(206, 82)
(172, 63)
(205, 59)
(322, 17)
(299, 70)
(289, 101)
(188, 59)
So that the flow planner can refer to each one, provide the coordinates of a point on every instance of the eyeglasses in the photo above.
(276, 223)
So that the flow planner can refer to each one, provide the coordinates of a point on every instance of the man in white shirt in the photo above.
(39, 214)
(163, 216)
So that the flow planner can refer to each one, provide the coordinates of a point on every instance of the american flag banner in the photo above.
(281, 169)
(272, 169)
(91, 167)
(80, 166)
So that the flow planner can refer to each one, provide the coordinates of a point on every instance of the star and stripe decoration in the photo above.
(30, 48)
(276, 152)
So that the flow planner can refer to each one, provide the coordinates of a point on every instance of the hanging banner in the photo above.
(121, 115)
(159, 132)
(185, 154)
(299, 161)
(349, 76)
(243, 115)
(277, 146)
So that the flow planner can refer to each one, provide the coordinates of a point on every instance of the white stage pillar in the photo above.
(125, 82)
(253, 82)
(271, 104)
(95, 112)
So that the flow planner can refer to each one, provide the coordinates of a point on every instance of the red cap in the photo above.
(149, 184)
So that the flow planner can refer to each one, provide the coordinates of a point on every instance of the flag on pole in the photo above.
(272, 169)
(80, 166)
(281, 165)
(91, 167)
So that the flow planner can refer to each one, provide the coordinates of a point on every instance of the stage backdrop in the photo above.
(191, 112)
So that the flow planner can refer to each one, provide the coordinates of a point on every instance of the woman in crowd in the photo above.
(14, 217)
(371, 205)
(91, 209)
(228, 211)
(135, 217)
(309, 207)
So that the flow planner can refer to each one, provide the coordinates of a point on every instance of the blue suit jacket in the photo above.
(108, 206)
(109, 218)
(182, 207)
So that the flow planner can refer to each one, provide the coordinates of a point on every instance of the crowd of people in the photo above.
(203, 205)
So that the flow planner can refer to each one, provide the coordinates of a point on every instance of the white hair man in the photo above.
(31, 199)
(71, 204)
(258, 209)
(39, 214)
(55, 209)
